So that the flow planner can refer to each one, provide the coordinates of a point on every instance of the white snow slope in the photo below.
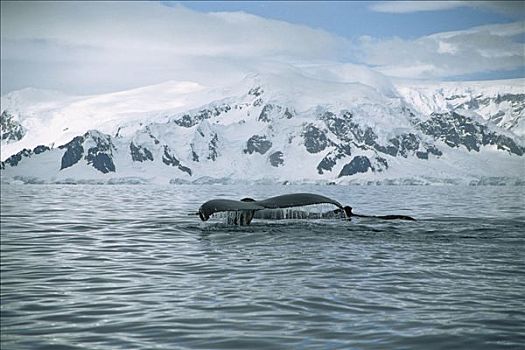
(285, 126)
(500, 102)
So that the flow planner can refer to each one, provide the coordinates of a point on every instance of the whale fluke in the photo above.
(243, 211)
(296, 200)
(248, 206)
(219, 205)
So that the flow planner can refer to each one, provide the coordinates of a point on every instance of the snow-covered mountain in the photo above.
(285, 126)
(502, 102)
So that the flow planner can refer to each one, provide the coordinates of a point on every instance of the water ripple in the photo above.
(121, 267)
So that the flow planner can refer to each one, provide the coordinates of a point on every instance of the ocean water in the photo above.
(129, 267)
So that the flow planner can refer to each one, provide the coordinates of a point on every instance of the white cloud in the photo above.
(479, 49)
(444, 48)
(90, 47)
(509, 8)
(112, 44)
(152, 26)
(415, 6)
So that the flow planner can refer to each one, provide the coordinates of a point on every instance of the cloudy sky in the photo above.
(93, 47)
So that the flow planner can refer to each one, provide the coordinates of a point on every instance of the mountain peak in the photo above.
(283, 125)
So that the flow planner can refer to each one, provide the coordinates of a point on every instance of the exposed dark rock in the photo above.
(101, 161)
(456, 130)
(434, 150)
(170, 159)
(473, 104)
(212, 147)
(498, 117)
(185, 121)
(100, 156)
(383, 164)
(454, 97)
(328, 162)
(205, 144)
(517, 101)
(503, 143)
(369, 137)
(349, 133)
(40, 149)
(188, 120)
(16, 158)
(258, 102)
(257, 144)
(403, 144)
(185, 169)
(276, 110)
(256, 91)
(11, 130)
(422, 155)
(276, 158)
(315, 139)
(150, 134)
(453, 129)
(194, 156)
(140, 153)
(512, 98)
(343, 127)
(74, 152)
(345, 149)
(409, 142)
(390, 149)
(360, 164)
(266, 112)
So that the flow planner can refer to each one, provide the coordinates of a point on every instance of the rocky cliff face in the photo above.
(10, 129)
(502, 104)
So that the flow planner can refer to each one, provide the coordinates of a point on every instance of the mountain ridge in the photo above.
(282, 129)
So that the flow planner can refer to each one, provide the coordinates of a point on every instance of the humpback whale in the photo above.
(244, 211)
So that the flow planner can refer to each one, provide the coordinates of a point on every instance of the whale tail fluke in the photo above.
(242, 212)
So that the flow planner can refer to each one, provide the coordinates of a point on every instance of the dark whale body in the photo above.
(248, 207)
(242, 212)
(296, 200)
(386, 217)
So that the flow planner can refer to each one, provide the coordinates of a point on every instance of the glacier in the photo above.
(308, 125)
